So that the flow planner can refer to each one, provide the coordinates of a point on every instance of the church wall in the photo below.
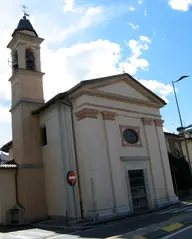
(53, 164)
(94, 168)
(7, 192)
(68, 158)
(104, 157)
(58, 158)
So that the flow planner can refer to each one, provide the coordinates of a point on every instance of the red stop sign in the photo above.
(71, 178)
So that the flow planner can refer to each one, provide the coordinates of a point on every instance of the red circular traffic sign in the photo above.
(71, 178)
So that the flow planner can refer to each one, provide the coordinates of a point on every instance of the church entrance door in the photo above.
(138, 190)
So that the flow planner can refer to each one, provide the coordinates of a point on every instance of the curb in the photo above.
(93, 224)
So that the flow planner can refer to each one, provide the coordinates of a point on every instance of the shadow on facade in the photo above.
(181, 176)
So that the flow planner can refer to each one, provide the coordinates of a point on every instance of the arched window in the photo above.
(30, 60)
(15, 60)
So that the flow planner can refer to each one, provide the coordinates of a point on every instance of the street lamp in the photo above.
(179, 112)
(173, 82)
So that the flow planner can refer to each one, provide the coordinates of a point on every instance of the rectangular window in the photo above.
(43, 136)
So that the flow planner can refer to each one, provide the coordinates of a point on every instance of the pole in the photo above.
(75, 205)
(181, 122)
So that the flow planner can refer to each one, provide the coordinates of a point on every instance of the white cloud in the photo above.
(5, 114)
(145, 12)
(79, 62)
(133, 26)
(68, 6)
(182, 5)
(86, 18)
(165, 130)
(134, 61)
(144, 38)
(140, 2)
(132, 9)
(158, 87)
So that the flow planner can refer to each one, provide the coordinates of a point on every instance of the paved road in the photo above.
(105, 231)
(185, 233)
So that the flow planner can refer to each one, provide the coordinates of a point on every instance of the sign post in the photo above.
(71, 179)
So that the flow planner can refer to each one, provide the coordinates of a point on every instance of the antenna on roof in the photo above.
(24, 7)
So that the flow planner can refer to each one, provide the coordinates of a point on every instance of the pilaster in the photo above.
(165, 160)
(155, 158)
(159, 161)
(111, 134)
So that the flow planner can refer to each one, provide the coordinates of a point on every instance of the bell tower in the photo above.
(27, 95)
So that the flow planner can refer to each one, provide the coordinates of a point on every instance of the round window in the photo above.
(131, 136)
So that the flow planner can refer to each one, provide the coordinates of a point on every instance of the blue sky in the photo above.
(149, 39)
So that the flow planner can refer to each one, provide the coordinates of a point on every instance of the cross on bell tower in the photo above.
(24, 7)
(27, 95)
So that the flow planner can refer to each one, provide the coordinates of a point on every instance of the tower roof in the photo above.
(24, 24)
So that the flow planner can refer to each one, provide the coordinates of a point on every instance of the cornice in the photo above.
(87, 113)
(115, 97)
(107, 115)
(21, 71)
(149, 121)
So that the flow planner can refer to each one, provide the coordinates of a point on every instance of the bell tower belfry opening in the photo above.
(27, 95)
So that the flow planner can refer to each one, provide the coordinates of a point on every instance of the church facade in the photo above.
(108, 131)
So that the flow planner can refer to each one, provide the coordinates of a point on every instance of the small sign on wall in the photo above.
(71, 178)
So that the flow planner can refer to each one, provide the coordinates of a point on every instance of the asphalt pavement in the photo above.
(185, 233)
(167, 219)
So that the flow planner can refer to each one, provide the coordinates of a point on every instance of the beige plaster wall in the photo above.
(7, 192)
(58, 159)
(100, 150)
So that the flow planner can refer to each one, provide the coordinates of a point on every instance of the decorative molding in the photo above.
(87, 113)
(107, 115)
(159, 122)
(22, 71)
(124, 143)
(120, 98)
(147, 121)
(114, 108)
(26, 100)
(115, 97)
(134, 158)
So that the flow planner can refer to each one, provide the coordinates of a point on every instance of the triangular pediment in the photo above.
(124, 86)
(123, 89)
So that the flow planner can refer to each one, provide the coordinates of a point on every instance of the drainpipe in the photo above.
(76, 160)
(16, 189)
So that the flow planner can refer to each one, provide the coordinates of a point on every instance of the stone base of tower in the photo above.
(31, 193)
